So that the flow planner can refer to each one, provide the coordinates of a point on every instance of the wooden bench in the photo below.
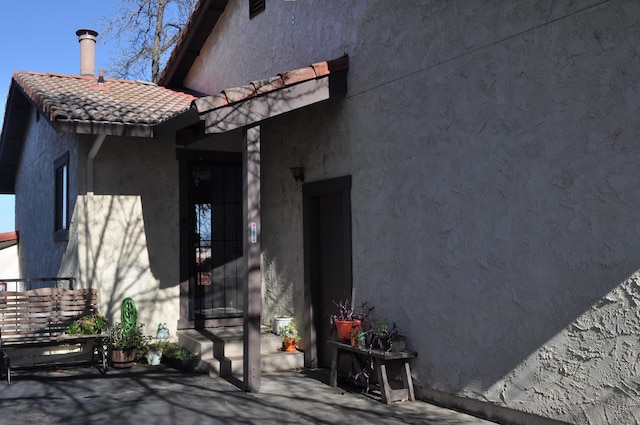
(381, 360)
(39, 318)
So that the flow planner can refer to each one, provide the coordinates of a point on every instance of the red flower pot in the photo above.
(289, 344)
(345, 328)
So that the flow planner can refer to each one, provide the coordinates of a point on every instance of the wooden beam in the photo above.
(274, 103)
(252, 249)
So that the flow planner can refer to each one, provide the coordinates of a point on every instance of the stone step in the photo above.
(221, 351)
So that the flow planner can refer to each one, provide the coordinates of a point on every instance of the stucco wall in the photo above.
(493, 152)
(40, 255)
(130, 245)
(123, 239)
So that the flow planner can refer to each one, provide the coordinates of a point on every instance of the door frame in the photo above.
(310, 192)
(186, 158)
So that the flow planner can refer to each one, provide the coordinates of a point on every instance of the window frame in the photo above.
(61, 217)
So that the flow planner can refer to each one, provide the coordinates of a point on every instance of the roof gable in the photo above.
(193, 36)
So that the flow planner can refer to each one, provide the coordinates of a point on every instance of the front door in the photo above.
(327, 216)
(216, 270)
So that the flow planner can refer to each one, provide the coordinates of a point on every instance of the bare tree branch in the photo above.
(143, 33)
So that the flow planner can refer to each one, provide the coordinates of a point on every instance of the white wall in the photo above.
(130, 244)
(9, 266)
(493, 149)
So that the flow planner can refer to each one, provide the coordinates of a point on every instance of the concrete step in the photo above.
(221, 351)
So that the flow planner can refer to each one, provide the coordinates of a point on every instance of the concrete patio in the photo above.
(160, 395)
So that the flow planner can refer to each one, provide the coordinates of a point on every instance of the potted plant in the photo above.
(280, 321)
(152, 350)
(290, 337)
(125, 343)
(93, 324)
(126, 336)
(347, 321)
(379, 336)
(178, 357)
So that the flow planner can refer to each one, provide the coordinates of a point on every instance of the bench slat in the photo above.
(40, 317)
(47, 339)
(43, 313)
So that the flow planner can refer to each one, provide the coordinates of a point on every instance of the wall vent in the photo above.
(255, 7)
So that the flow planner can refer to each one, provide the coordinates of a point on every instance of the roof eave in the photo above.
(109, 129)
(265, 99)
(16, 118)
(195, 34)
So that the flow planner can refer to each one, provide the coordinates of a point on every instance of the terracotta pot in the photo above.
(289, 344)
(345, 328)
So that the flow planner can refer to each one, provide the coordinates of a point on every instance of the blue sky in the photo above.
(40, 35)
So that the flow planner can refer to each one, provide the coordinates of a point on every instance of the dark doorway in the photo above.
(212, 235)
(328, 278)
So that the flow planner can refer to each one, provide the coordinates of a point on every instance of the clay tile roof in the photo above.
(80, 104)
(278, 82)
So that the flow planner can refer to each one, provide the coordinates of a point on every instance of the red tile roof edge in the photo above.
(282, 80)
(86, 77)
(8, 236)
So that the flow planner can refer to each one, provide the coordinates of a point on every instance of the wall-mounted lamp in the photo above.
(298, 173)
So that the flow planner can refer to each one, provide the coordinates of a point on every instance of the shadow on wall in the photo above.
(118, 257)
(279, 294)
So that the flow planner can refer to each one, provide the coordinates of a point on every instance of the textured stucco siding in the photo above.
(123, 239)
(40, 255)
(494, 153)
(128, 246)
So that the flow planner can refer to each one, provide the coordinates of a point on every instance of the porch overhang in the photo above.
(263, 99)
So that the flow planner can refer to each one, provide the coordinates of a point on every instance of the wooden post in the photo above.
(251, 245)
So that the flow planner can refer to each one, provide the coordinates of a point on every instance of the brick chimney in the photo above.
(87, 39)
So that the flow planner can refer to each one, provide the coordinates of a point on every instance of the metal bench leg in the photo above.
(103, 358)
(6, 365)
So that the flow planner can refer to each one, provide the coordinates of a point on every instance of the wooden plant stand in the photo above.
(381, 360)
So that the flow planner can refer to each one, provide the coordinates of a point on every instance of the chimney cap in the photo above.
(85, 31)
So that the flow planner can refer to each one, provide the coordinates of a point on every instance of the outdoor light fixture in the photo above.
(298, 173)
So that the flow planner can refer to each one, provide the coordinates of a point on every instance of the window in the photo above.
(61, 222)
(255, 7)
